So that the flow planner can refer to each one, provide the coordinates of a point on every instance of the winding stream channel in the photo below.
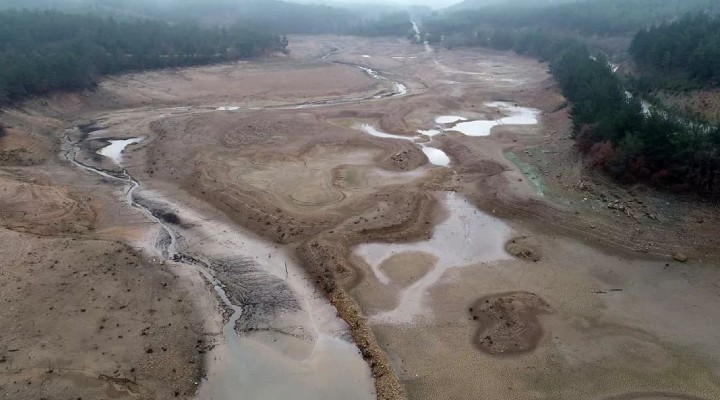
(307, 353)
(282, 338)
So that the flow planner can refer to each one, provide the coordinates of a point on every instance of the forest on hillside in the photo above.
(688, 48)
(277, 16)
(620, 136)
(44, 51)
(594, 17)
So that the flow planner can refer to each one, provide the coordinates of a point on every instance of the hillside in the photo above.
(270, 15)
(470, 4)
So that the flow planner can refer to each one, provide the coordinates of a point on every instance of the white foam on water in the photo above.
(230, 108)
(366, 56)
(114, 150)
(467, 237)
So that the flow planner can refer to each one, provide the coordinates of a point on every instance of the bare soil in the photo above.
(587, 304)
(508, 322)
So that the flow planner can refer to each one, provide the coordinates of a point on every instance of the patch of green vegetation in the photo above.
(530, 172)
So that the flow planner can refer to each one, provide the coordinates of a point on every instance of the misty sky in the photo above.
(429, 3)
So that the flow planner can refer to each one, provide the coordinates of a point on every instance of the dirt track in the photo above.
(596, 307)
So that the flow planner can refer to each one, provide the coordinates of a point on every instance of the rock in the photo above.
(680, 257)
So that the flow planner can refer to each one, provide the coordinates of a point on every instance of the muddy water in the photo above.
(302, 349)
(303, 353)
(114, 150)
(466, 238)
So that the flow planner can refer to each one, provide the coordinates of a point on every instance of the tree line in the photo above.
(630, 142)
(282, 17)
(43, 51)
(588, 17)
(688, 47)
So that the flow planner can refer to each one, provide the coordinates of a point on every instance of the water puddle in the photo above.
(229, 108)
(449, 119)
(466, 238)
(436, 156)
(371, 130)
(517, 116)
(114, 150)
(365, 56)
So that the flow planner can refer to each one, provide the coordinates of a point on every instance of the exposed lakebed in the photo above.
(516, 115)
(283, 338)
(466, 237)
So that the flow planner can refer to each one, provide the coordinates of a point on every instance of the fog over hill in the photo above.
(436, 4)
(487, 3)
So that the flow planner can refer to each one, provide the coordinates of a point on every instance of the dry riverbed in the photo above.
(362, 219)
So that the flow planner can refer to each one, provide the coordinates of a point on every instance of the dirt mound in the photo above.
(508, 322)
(525, 248)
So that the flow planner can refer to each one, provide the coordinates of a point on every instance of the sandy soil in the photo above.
(548, 282)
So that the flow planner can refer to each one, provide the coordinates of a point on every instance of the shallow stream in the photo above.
(305, 352)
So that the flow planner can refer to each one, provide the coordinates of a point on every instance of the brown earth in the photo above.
(508, 322)
(626, 320)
